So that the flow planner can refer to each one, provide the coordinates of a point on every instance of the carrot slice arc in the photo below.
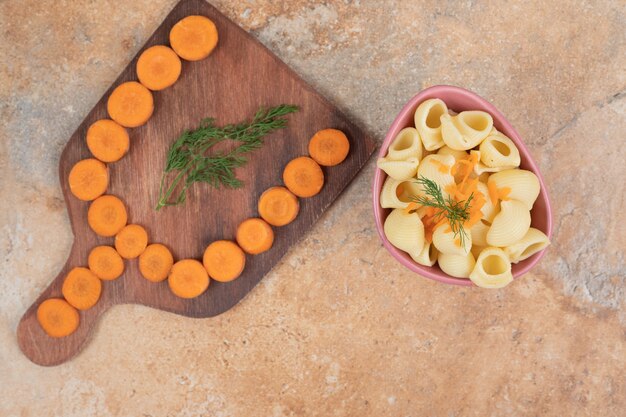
(255, 236)
(81, 288)
(158, 67)
(329, 147)
(88, 179)
(57, 317)
(130, 104)
(131, 241)
(155, 262)
(303, 177)
(193, 37)
(105, 263)
(107, 215)
(224, 260)
(107, 140)
(188, 278)
(278, 206)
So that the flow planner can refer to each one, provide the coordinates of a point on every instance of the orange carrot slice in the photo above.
(130, 104)
(255, 236)
(194, 37)
(88, 179)
(188, 278)
(329, 147)
(105, 263)
(57, 317)
(158, 67)
(81, 288)
(224, 260)
(107, 140)
(131, 241)
(303, 177)
(278, 206)
(107, 215)
(155, 262)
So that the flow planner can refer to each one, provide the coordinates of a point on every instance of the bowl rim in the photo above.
(380, 176)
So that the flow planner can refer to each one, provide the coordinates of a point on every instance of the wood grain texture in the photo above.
(230, 85)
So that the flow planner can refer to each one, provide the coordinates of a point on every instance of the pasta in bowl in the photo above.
(457, 197)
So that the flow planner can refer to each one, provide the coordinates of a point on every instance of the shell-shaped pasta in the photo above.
(465, 130)
(523, 185)
(480, 168)
(457, 266)
(398, 194)
(497, 150)
(427, 256)
(405, 231)
(399, 170)
(437, 168)
(445, 241)
(479, 232)
(510, 225)
(492, 270)
(407, 144)
(446, 150)
(488, 209)
(534, 241)
(428, 122)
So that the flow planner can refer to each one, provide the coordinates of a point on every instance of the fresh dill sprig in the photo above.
(189, 155)
(456, 212)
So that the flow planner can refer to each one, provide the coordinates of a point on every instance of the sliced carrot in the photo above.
(105, 263)
(193, 37)
(278, 206)
(303, 177)
(329, 147)
(255, 236)
(107, 140)
(107, 215)
(155, 262)
(130, 104)
(188, 278)
(57, 317)
(158, 67)
(131, 241)
(224, 260)
(81, 288)
(88, 179)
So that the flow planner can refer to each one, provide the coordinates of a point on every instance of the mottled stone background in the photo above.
(338, 328)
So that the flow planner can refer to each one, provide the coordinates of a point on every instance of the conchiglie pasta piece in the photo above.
(479, 232)
(427, 256)
(405, 231)
(456, 265)
(488, 210)
(523, 185)
(465, 130)
(446, 150)
(510, 225)
(445, 241)
(480, 168)
(492, 270)
(406, 144)
(437, 168)
(428, 122)
(399, 170)
(398, 194)
(497, 150)
(534, 241)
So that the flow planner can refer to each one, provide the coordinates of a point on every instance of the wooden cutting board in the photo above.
(230, 85)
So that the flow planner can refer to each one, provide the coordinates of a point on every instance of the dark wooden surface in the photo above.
(238, 77)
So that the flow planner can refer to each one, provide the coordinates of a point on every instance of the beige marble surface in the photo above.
(338, 328)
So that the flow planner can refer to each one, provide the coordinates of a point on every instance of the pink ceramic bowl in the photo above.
(459, 99)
